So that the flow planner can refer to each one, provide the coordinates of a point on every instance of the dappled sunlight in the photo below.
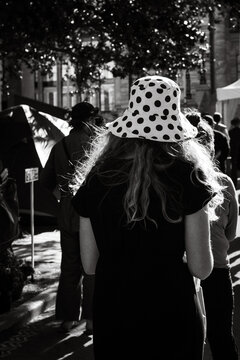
(66, 356)
(234, 258)
(63, 346)
(47, 259)
(237, 282)
(234, 254)
(235, 262)
(89, 343)
(46, 131)
(48, 250)
(44, 127)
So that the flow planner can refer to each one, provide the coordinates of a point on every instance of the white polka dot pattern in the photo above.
(153, 112)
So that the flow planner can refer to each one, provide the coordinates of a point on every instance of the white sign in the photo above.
(31, 175)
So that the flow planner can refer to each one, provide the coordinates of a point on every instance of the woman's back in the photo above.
(140, 270)
(142, 204)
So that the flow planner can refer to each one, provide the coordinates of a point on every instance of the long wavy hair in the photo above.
(147, 160)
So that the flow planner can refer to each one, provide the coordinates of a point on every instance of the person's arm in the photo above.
(88, 247)
(225, 148)
(231, 228)
(197, 242)
(227, 135)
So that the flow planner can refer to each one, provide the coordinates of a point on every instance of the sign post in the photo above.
(31, 175)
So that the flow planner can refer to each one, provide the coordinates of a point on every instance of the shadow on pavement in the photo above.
(41, 340)
(47, 257)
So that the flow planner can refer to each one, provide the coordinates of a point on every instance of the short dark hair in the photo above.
(217, 117)
(209, 119)
(235, 121)
(81, 112)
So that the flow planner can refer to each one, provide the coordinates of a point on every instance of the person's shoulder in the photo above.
(218, 133)
(222, 126)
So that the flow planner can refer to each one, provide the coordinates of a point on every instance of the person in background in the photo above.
(75, 288)
(144, 189)
(217, 288)
(234, 134)
(218, 124)
(221, 144)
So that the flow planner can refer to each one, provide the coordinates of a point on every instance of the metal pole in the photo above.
(212, 50)
(59, 84)
(32, 221)
(188, 85)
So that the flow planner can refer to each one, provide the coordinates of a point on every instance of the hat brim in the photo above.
(182, 132)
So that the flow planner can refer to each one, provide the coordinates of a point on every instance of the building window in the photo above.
(51, 98)
(106, 100)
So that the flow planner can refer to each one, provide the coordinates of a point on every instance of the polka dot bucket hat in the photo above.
(153, 112)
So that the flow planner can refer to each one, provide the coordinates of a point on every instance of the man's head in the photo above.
(217, 117)
(209, 119)
(235, 122)
(82, 112)
(205, 130)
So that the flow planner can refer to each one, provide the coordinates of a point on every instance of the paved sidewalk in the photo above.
(47, 268)
(41, 293)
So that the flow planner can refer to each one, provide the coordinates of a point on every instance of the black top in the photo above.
(58, 171)
(137, 260)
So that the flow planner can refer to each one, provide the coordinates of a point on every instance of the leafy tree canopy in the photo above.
(138, 35)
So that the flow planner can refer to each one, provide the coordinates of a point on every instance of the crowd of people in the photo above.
(147, 205)
(217, 287)
(132, 194)
(227, 144)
